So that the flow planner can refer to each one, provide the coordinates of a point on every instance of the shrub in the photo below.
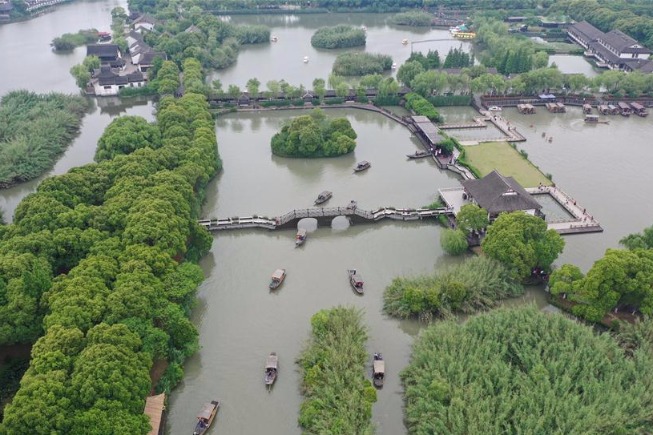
(412, 18)
(360, 64)
(453, 242)
(421, 106)
(341, 36)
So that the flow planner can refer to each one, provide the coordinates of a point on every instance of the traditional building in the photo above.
(141, 54)
(109, 54)
(614, 50)
(498, 194)
(107, 82)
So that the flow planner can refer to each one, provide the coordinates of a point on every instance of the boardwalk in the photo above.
(326, 214)
(583, 222)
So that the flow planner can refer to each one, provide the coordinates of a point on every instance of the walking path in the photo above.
(583, 222)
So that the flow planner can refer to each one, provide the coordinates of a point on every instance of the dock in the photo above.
(324, 216)
(583, 222)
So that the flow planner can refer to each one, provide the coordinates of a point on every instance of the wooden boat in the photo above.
(594, 119)
(639, 109)
(361, 166)
(271, 369)
(378, 370)
(418, 154)
(300, 238)
(205, 417)
(323, 197)
(624, 108)
(277, 278)
(587, 109)
(356, 281)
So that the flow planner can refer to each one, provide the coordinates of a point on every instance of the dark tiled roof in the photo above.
(606, 54)
(148, 57)
(498, 194)
(102, 50)
(106, 77)
(428, 129)
(622, 43)
(641, 65)
(585, 31)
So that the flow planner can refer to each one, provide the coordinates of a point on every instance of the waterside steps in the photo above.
(290, 219)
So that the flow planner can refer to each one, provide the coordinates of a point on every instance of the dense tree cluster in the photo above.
(69, 41)
(193, 79)
(415, 18)
(338, 397)
(341, 36)
(474, 285)
(34, 130)
(125, 135)
(360, 64)
(97, 259)
(421, 106)
(523, 243)
(167, 78)
(430, 61)
(314, 135)
(523, 371)
(458, 58)
(621, 280)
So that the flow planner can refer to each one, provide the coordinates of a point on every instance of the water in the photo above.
(284, 59)
(571, 64)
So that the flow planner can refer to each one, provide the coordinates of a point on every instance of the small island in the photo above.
(314, 135)
(360, 64)
(68, 41)
(415, 18)
(341, 36)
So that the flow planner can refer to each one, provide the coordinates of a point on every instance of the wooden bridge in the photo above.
(323, 216)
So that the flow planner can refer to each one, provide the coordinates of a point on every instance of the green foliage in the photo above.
(453, 242)
(471, 217)
(430, 61)
(167, 78)
(522, 243)
(314, 136)
(125, 135)
(11, 371)
(337, 396)
(193, 79)
(69, 41)
(115, 234)
(521, 371)
(414, 18)
(457, 58)
(360, 64)
(642, 240)
(34, 130)
(474, 285)
(341, 36)
(408, 71)
(421, 106)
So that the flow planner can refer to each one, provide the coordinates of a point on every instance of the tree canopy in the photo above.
(360, 64)
(521, 371)
(523, 243)
(341, 36)
(125, 135)
(314, 135)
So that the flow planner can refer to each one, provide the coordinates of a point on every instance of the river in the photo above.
(605, 167)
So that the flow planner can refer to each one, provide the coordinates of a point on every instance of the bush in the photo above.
(412, 18)
(341, 36)
(360, 64)
(421, 106)
(474, 285)
(453, 242)
(69, 41)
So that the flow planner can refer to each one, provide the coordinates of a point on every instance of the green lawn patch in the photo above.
(488, 156)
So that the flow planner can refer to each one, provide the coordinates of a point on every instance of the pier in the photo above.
(324, 216)
(583, 222)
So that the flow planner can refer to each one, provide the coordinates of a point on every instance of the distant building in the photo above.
(107, 82)
(614, 50)
(141, 54)
(498, 194)
(108, 53)
(143, 22)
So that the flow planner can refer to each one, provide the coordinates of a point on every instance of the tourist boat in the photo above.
(300, 238)
(364, 28)
(404, 41)
(378, 370)
(271, 369)
(587, 109)
(418, 154)
(277, 278)
(361, 166)
(639, 109)
(305, 59)
(323, 197)
(394, 65)
(594, 119)
(356, 281)
(206, 417)
(494, 109)
(624, 108)
(274, 39)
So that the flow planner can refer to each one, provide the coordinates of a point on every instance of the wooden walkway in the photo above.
(582, 221)
(290, 219)
(478, 123)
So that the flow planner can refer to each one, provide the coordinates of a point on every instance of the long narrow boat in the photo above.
(361, 166)
(300, 238)
(205, 417)
(323, 197)
(378, 370)
(277, 278)
(356, 281)
(418, 154)
(271, 369)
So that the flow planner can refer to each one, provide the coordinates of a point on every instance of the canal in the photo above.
(605, 167)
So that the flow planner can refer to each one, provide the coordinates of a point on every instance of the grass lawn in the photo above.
(488, 156)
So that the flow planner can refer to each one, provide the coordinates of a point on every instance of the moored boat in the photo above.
(404, 41)
(323, 197)
(378, 370)
(356, 281)
(205, 417)
(305, 59)
(418, 154)
(271, 369)
(277, 278)
(361, 166)
(494, 109)
(300, 238)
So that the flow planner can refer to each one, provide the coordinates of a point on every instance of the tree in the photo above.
(408, 71)
(234, 92)
(453, 242)
(523, 243)
(471, 217)
(639, 241)
(253, 88)
(82, 75)
(125, 135)
(273, 89)
(319, 88)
